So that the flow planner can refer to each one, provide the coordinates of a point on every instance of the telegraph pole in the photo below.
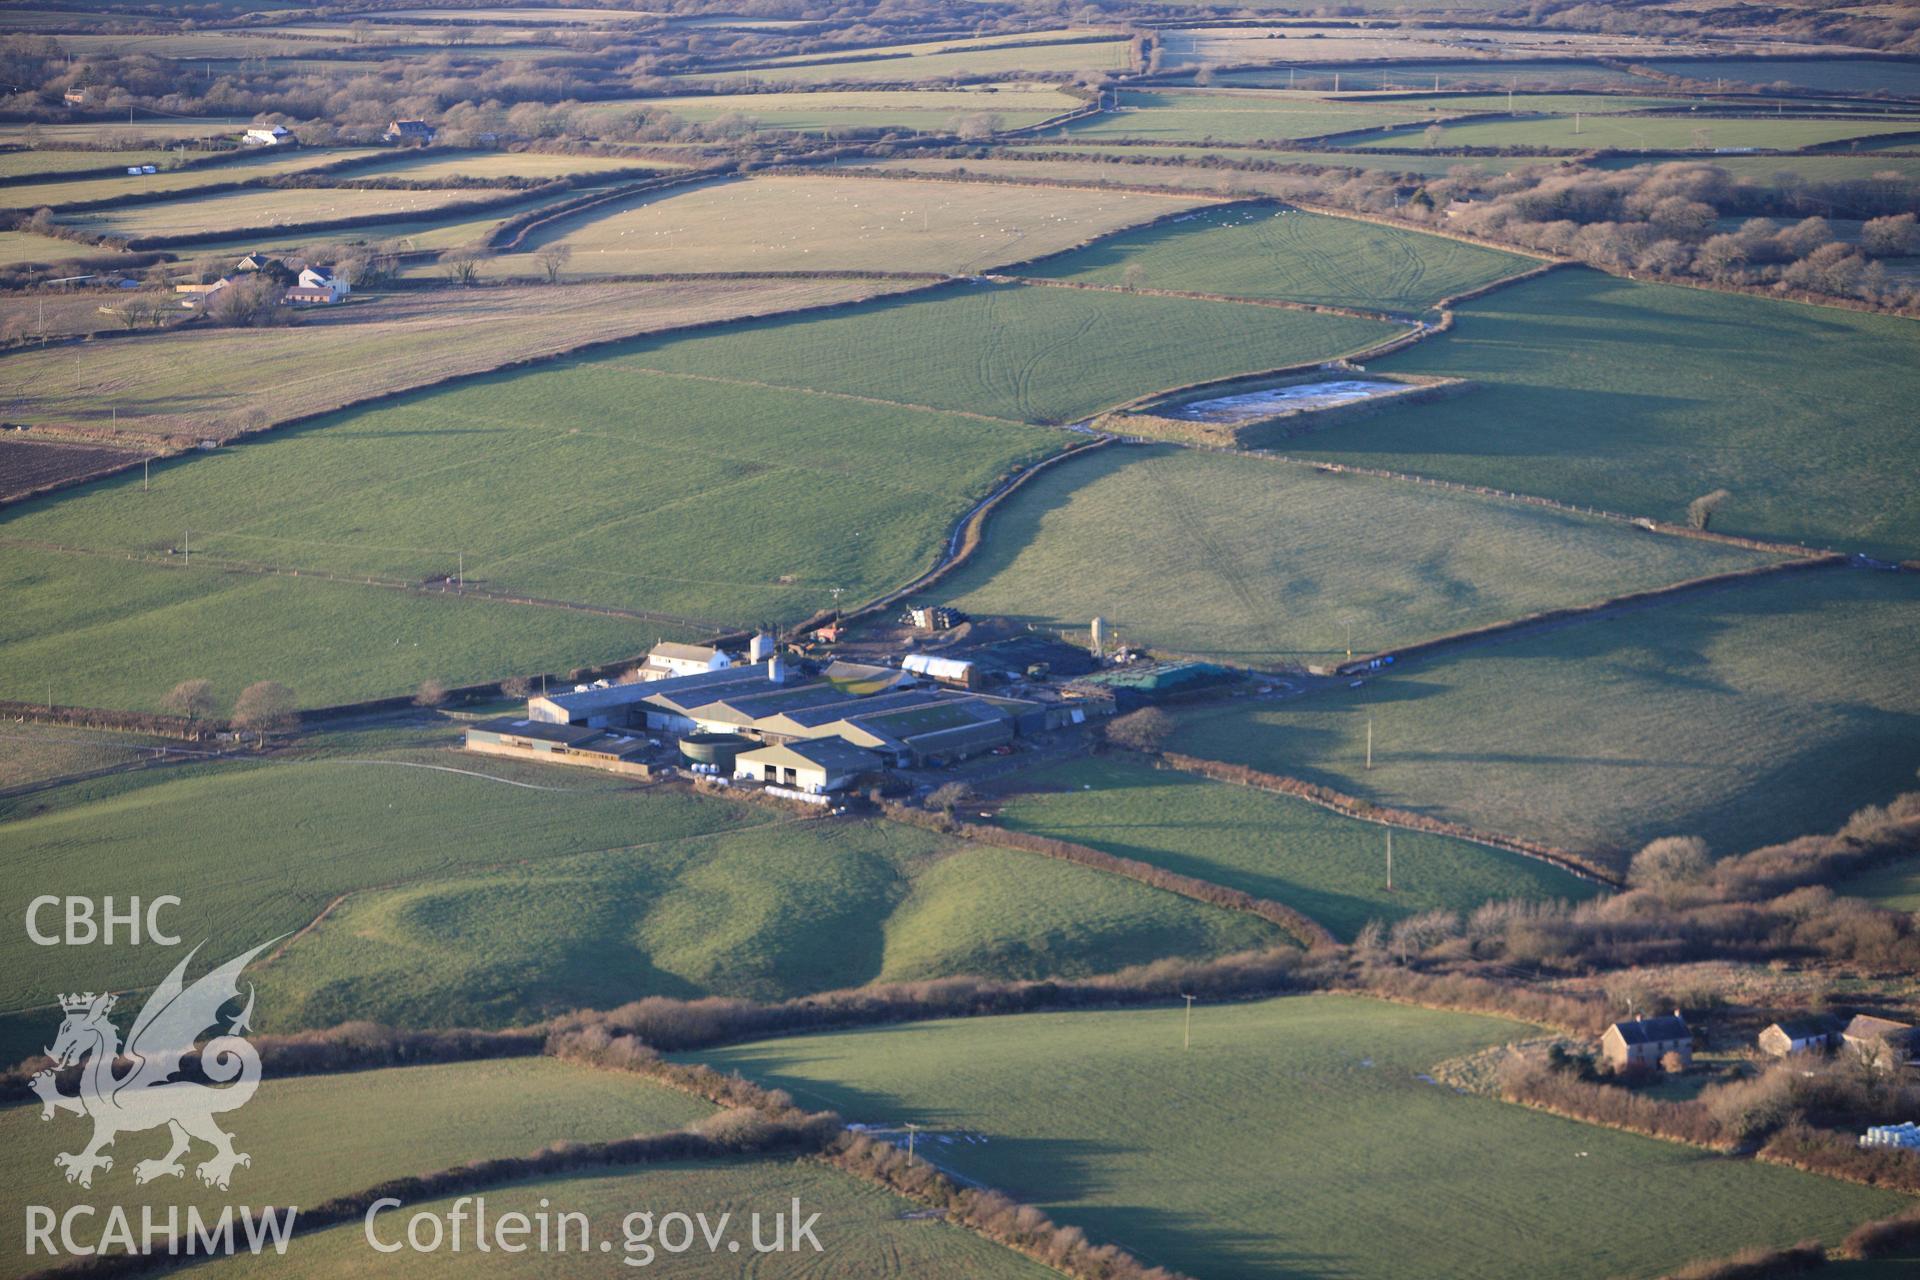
(910, 1130)
(1389, 859)
(186, 545)
(1187, 1036)
(1369, 743)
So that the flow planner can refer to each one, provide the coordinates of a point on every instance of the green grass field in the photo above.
(1896, 885)
(55, 193)
(34, 753)
(1297, 1137)
(313, 1137)
(1026, 353)
(1186, 153)
(87, 630)
(692, 495)
(202, 382)
(1799, 411)
(1835, 75)
(1193, 116)
(233, 212)
(761, 913)
(1745, 715)
(415, 166)
(1640, 133)
(1290, 254)
(1272, 846)
(116, 133)
(1549, 103)
(836, 224)
(17, 164)
(937, 64)
(863, 1230)
(1259, 562)
(18, 247)
(431, 231)
(1463, 74)
(827, 111)
(332, 826)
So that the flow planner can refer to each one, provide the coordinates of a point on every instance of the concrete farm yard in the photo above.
(1139, 644)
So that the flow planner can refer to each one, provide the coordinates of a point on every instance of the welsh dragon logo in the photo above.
(146, 1095)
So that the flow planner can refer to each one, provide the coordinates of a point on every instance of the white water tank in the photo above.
(776, 670)
(760, 648)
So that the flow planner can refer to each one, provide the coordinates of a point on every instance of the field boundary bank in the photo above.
(968, 533)
(479, 594)
(452, 209)
(510, 236)
(208, 160)
(53, 435)
(1793, 550)
(1304, 929)
(1226, 299)
(1384, 815)
(1420, 331)
(968, 1205)
(291, 180)
(339, 899)
(1797, 550)
(848, 396)
(1547, 618)
(860, 54)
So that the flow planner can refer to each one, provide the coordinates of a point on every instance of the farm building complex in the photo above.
(771, 722)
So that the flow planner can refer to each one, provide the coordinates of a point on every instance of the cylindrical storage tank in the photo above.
(714, 748)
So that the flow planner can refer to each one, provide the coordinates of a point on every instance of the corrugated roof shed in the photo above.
(835, 755)
(937, 668)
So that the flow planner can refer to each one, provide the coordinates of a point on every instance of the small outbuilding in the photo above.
(527, 739)
(814, 764)
(1867, 1035)
(957, 673)
(1643, 1042)
(1792, 1036)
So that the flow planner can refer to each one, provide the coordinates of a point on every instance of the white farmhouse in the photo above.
(324, 278)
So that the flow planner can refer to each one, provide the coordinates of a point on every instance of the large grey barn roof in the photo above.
(846, 709)
(586, 701)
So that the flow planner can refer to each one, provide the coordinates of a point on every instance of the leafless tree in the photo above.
(192, 699)
(1142, 730)
(265, 706)
(1700, 510)
(1670, 861)
(553, 260)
